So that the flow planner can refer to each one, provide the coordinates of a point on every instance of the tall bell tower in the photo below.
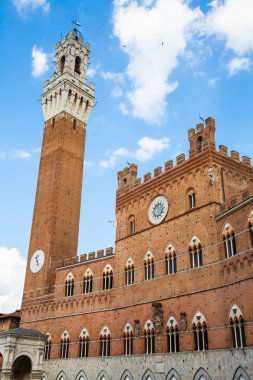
(66, 101)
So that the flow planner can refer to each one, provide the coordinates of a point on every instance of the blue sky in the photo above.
(156, 65)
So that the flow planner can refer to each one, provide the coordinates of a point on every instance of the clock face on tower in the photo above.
(37, 261)
(158, 209)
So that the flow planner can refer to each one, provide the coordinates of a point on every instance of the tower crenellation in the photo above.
(67, 90)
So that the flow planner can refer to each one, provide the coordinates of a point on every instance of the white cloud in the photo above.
(23, 154)
(12, 272)
(116, 92)
(39, 62)
(232, 20)
(148, 147)
(112, 76)
(88, 164)
(199, 74)
(92, 70)
(109, 163)
(213, 81)
(238, 64)
(123, 109)
(157, 37)
(36, 150)
(2, 154)
(23, 6)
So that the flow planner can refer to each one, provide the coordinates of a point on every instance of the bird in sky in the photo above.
(113, 223)
(201, 118)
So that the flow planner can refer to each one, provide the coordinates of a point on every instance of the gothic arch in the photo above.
(44, 376)
(200, 374)
(173, 375)
(61, 376)
(148, 375)
(126, 375)
(103, 376)
(241, 374)
(81, 376)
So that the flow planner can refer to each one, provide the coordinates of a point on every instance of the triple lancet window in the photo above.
(172, 335)
(105, 342)
(64, 347)
(47, 348)
(200, 332)
(237, 327)
(69, 285)
(229, 241)
(88, 281)
(170, 260)
(84, 344)
(195, 251)
(149, 338)
(128, 340)
(107, 277)
(149, 266)
(129, 272)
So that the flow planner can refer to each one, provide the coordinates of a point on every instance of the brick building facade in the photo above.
(174, 299)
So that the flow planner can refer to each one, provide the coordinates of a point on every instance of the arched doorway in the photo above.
(21, 367)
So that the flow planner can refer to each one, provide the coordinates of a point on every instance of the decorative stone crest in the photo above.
(183, 321)
(157, 317)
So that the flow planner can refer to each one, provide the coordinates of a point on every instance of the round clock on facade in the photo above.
(158, 209)
(37, 261)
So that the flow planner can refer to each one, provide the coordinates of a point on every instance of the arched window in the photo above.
(84, 344)
(105, 342)
(170, 260)
(131, 225)
(69, 285)
(250, 224)
(107, 277)
(200, 144)
(62, 63)
(200, 332)
(88, 281)
(229, 240)
(172, 335)
(149, 266)
(195, 251)
(191, 198)
(237, 327)
(149, 338)
(47, 348)
(64, 347)
(129, 272)
(78, 65)
(128, 339)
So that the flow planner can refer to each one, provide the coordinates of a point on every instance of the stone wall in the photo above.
(213, 365)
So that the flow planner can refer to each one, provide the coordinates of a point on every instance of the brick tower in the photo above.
(67, 101)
